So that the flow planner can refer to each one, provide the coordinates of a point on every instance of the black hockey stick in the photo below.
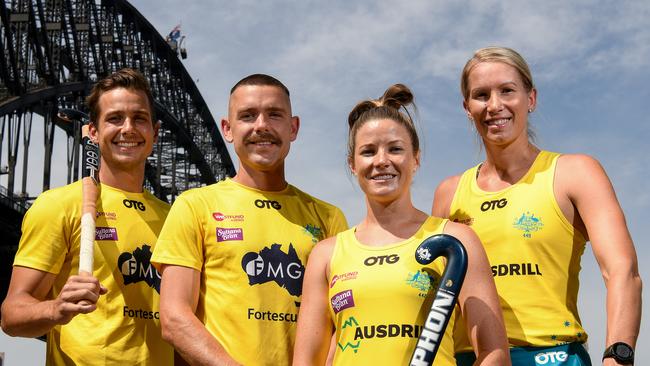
(446, 294)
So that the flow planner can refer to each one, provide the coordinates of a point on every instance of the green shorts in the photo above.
(572, 354)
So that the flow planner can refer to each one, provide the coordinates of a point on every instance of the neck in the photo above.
(130, 181)
(387, 223)
(510, 162)
(271, 180)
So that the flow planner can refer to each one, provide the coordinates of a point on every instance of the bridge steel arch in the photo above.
(53, 51)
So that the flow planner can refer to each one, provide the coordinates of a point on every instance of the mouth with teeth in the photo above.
(498, 122)
(128, 144)
(383, 177)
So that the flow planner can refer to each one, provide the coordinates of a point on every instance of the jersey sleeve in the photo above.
(180, 241)
(338, 223)
(44, 242)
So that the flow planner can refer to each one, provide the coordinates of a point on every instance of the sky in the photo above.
(589, 60)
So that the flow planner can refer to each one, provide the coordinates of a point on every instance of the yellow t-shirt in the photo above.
(251, 248)
(380, 298)
(534, 253)
(125, 327)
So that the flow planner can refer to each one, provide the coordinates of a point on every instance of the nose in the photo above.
(128, 125)
(381, 158)
(494, 104)
(261, 123)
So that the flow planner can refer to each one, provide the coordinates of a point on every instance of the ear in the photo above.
(351, 165)
(532, 99)
(466, 108)
(295, 126)
(93, 131)
(226, 130)
(417, 161)
(156, 130)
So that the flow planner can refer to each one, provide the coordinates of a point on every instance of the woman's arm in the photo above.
(582, 182)
(479, 302)
(443, 196)
(315, 327)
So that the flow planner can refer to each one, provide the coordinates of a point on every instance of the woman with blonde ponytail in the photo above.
(365, 298)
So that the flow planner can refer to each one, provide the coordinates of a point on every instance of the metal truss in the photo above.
(52, 53)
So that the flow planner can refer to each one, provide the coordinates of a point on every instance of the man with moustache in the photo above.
(232, 254)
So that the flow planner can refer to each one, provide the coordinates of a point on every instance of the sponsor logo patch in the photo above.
(274, 265)
(106, 215)
(223, 217)
(136, 267)
(106, 233)
(228, 234)
(381, 259)
(551, 358)
(342, 300)
(268, 204)
(343, 277)
(494, 204)
(136, 205)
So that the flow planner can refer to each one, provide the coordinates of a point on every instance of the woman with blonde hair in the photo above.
(534, 211)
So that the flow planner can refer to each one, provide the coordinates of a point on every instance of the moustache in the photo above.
(262, 136)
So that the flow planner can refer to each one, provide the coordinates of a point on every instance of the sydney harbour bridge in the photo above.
(52, 53)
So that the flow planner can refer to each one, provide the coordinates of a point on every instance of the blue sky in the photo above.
(589, 60)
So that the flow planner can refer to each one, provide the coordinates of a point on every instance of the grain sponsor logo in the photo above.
(228, 234)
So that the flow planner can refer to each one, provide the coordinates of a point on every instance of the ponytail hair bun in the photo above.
(394, 104)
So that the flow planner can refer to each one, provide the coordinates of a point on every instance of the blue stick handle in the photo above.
(446, 294)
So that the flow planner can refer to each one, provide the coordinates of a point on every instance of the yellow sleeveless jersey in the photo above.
(380, 298)
(125, 327)
(534, 253)
(251, 248)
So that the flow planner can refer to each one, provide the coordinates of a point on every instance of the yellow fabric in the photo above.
(534, 253)
(125, 327)
(251, 248)
(380, 298)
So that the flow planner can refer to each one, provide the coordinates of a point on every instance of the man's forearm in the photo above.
(192, 340)
(27, 317)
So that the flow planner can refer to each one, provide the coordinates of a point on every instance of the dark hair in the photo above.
(388, 106)
(260, 80)
(124, 78)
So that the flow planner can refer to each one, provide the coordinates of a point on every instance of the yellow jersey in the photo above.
(251, 248)
(534, 252)
(380, 298)
(125, 327)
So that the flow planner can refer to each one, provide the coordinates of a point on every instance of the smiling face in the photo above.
(384, 161)
(260, 126)
(498, 103)
(124, 129)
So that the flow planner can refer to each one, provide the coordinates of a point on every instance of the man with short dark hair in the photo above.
(233, 254)
(110, 317)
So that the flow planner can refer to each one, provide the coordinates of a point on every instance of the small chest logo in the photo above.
(342, 300)
(380, 260)
(106, 233)
(268, 204)
(494, 204)
(136, 205)
(228, 234)
(528, 223)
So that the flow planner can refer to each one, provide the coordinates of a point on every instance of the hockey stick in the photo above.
(90, 192)
(446, 294)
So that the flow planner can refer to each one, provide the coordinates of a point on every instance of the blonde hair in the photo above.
(497, 54)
